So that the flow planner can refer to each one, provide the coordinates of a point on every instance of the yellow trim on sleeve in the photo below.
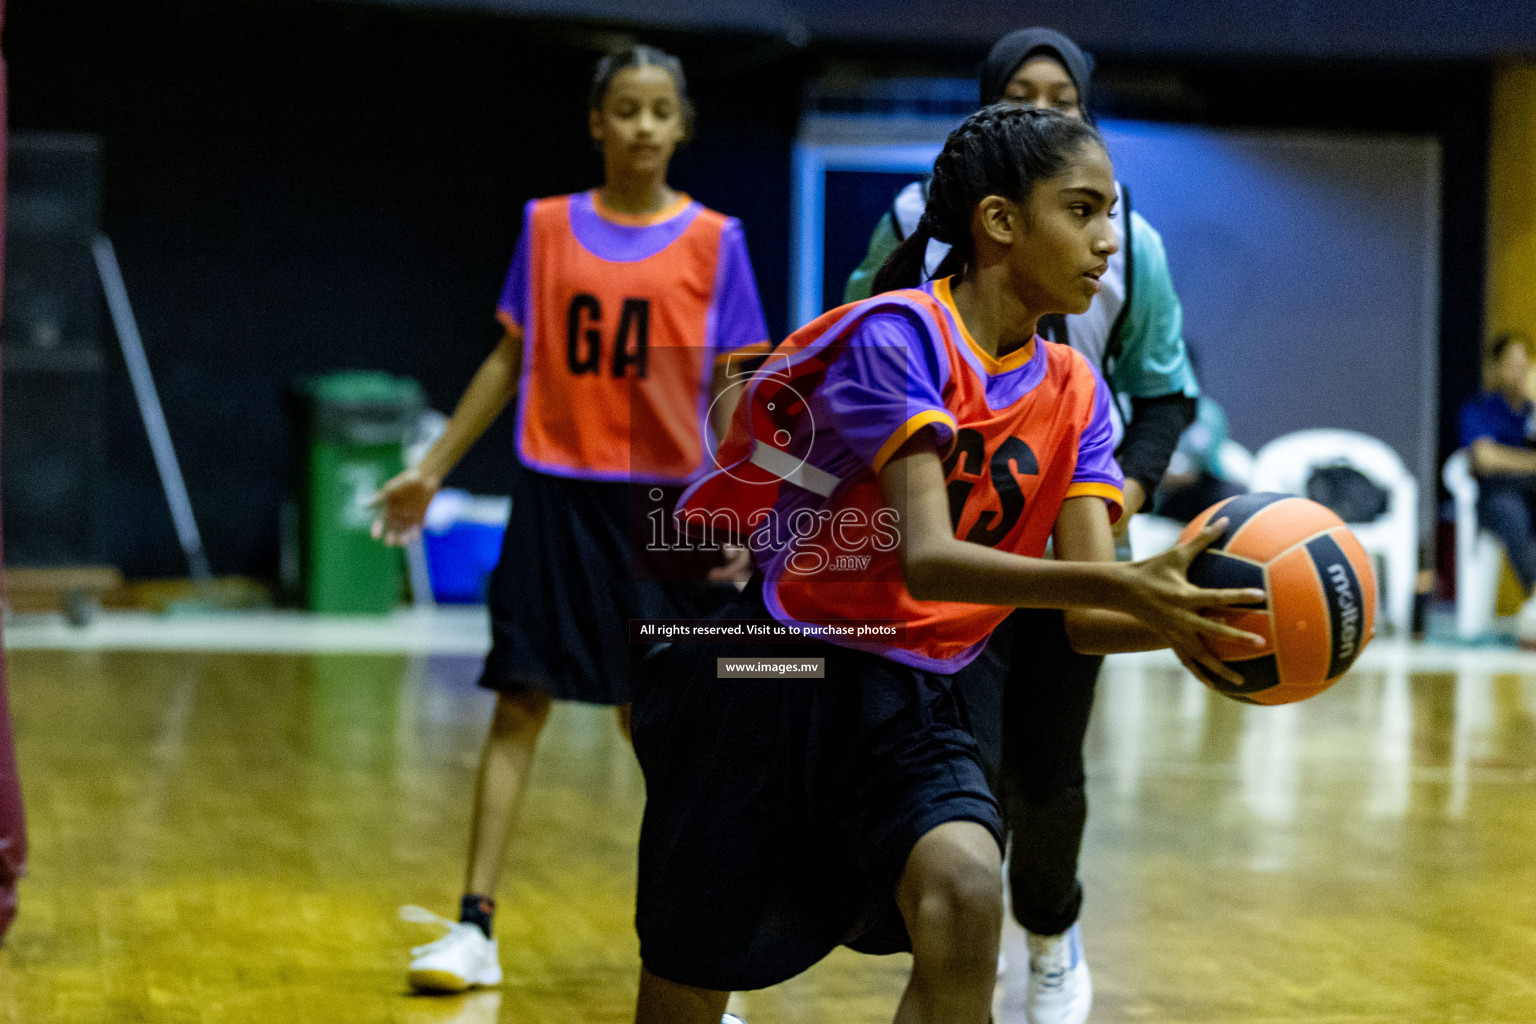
(906, 432)
(1109, 492)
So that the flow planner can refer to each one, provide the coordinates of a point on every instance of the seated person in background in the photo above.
(1496, 429)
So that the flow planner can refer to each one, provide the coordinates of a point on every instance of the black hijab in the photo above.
(1009, 53)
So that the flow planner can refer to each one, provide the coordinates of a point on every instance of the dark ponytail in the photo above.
(903, 268)
(1001, 150)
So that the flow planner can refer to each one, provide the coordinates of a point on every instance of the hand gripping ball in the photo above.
(1321, 607)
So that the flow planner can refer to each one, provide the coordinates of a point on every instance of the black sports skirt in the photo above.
(581, 559)
(780, 813)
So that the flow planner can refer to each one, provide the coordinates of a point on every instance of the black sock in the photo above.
(478, 911)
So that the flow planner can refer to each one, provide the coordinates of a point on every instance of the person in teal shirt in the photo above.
(1134, 333)
(1196, 478)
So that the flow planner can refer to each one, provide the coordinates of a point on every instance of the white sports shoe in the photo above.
(1060, 987)
(1525, 624)
(731, 1018)
(462, 959)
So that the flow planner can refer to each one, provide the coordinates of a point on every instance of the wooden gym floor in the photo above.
(226, 837)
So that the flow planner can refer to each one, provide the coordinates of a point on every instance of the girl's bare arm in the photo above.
(937, 566)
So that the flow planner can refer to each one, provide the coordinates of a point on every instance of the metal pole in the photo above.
(149, 409)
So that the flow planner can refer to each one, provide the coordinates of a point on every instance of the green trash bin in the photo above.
(351, 428)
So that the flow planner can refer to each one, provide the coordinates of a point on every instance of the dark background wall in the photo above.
(295, 192)
(1311, 28)
(297, 187)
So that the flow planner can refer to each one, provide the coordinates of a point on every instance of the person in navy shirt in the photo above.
(1496, 429)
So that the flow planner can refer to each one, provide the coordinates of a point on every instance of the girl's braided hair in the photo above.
(1002, 150)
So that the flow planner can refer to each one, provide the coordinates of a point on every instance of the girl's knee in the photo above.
(669, 1002)
(970, 893)
(518, 711)
(956, 886)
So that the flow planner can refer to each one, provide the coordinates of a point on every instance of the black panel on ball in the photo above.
(1258, 674)
(1239, 510)
(1215, 570)
(1346, 603)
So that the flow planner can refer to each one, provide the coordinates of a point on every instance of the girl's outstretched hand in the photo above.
(402, 505)
(1164, 599)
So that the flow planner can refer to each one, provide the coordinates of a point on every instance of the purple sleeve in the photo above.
(736, 313)
(1096, 450)
(512, 310)
(886, 386)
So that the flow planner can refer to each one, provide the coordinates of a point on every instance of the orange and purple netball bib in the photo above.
(830, 407)
(623, 319)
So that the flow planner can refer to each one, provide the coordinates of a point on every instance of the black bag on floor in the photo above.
(1346, 491)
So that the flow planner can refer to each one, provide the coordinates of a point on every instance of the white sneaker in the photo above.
(1060, 988)
(731, 1018)
(1525, 624)
(462, 959)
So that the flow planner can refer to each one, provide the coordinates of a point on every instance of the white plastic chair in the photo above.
(1286, 463)
(1479, 555)
(1236, 463)
(1152, 535)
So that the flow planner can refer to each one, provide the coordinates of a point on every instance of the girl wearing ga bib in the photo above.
(620, 305)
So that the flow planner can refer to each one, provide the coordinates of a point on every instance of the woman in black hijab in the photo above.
(1009, 53)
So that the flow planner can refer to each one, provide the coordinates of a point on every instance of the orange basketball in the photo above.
(1321, 610)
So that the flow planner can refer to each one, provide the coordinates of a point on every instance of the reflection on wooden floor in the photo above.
(226, 838)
